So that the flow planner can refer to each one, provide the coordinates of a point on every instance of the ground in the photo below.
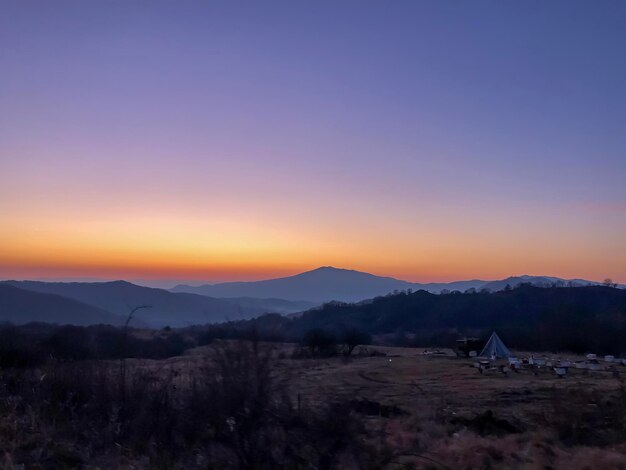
(448, 415)
(416, 411)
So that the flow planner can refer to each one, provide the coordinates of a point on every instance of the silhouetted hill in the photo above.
(24, 306)
(518, 307)
(174, 309)
(575, 318)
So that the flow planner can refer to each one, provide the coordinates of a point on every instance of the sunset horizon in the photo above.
(164, 281)
(148, 143)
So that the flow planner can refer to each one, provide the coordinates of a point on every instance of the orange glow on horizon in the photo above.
(78, 240)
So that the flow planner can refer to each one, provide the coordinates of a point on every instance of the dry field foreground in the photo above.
(415, 412)
(440, 412)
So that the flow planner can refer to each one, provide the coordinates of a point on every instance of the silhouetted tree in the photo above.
(320, 342)
(352, 338)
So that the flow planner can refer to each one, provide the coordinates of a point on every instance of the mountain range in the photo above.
(19, 306)
(109, 302)
(328, 283)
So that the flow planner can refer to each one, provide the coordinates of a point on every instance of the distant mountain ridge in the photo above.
(20, 306)
(539, 281)
(328, 283)
(167, 308)
(319, 285)
(110, 302)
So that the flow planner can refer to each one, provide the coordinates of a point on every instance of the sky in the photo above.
(425, 140)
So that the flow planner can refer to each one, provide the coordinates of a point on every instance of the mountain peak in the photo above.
(329, 268)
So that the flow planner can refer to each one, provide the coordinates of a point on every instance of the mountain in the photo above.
(539, 281)
(24, 306)
(186, 305)
(328, 283)
(167, 308)
(320, 285)
(437, 287)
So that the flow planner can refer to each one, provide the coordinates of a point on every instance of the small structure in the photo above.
(467, 347)
(495, 348)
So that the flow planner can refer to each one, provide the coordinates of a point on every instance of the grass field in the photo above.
(438, 411)
(414, 411)
(572, 422)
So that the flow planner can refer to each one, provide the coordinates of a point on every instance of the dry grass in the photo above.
(535, 421)
(436, 391)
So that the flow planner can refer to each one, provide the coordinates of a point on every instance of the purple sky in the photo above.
(428, 140)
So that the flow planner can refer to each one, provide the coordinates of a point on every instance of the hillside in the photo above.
(174, 309)
(531, 317)
(23, 306)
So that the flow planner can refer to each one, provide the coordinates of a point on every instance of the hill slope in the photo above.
(576, 318)
(24, 306)
(175, 309)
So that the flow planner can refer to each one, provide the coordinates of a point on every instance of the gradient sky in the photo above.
(426, 140)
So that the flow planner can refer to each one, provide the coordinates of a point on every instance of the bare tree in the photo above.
(123, 352)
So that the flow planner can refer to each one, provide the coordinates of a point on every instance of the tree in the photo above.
(320, 342)
(352, 338)
(608, 282)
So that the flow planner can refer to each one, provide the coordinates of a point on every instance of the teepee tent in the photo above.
(495, 347)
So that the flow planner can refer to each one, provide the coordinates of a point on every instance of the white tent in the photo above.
(495, 347)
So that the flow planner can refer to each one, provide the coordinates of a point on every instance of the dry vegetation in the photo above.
(251, 405)
(458, 418)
